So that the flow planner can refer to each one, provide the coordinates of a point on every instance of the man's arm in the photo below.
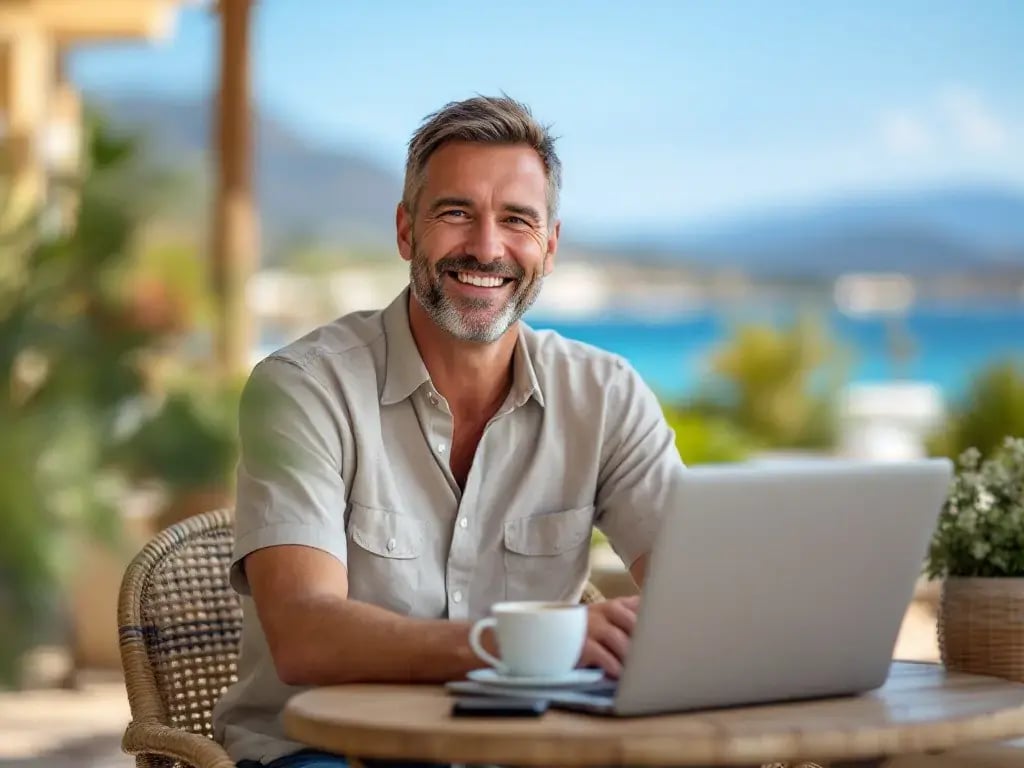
(317, 636)
(639, 481)
(638, 478)
(638, 570)
(291, 549)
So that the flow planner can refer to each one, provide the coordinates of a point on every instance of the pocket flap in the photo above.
(550, 534)
(385, 533)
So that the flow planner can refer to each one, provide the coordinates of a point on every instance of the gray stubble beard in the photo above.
(427, 287)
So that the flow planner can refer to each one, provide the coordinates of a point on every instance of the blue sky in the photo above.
(667, 111)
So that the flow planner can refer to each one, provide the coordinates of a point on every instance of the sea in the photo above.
(946, 346)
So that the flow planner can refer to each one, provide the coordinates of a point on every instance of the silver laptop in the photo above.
(771, 583)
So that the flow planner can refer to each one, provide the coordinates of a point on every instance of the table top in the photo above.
(921, 707)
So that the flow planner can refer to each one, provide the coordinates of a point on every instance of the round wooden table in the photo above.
(921, 708)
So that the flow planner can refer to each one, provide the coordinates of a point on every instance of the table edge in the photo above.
(363, 740)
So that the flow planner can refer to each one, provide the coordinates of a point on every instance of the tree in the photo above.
(990, 411)
(777, 384)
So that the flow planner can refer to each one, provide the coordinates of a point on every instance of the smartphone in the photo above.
(498, 706)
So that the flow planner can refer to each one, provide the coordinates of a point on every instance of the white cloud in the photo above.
(904, 133)
(957, 121)
(974, 124)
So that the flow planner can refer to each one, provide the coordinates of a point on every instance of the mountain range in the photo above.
(304, 192)
(313, 194)
(955, 229)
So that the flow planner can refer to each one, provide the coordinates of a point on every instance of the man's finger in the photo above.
(633, 602)
(614, 639)
(622, 616)
(596, 654)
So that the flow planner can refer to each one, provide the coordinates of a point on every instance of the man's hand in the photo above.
(609, 628)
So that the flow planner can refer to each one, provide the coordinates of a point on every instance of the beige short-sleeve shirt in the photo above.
(360, 441)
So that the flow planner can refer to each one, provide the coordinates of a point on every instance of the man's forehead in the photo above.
(484, 167)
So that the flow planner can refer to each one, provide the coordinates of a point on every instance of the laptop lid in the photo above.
(782, 581)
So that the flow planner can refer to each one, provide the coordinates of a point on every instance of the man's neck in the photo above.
(474, 378)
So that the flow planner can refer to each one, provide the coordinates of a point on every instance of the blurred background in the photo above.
(805, 228)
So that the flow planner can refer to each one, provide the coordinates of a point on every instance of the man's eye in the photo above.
(516, 220)
(454, 212)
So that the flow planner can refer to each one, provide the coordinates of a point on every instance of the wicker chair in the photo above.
(179, 623)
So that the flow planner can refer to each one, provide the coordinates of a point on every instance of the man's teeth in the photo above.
(479, 280)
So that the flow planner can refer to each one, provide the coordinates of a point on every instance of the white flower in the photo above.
(985, 500)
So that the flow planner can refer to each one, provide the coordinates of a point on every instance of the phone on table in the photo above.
(498, 706)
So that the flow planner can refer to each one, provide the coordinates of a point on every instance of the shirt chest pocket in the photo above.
(547, 556)
(385, 558)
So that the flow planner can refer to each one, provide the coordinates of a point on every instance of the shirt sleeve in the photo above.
(640, 474)
(290, 488)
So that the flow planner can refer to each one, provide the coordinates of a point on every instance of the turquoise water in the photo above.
(947, 344)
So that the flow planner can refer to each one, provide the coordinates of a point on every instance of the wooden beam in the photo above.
(31, 34)
(234, 222)
(27, 68)
(72, 21)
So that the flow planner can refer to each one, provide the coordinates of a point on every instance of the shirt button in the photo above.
(440, 447)
(463, 522)
(391, 545)
(432, 398)
(457, 596)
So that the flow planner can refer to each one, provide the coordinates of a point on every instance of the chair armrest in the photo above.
(190, 748)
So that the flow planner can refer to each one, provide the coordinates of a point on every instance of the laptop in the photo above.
(769, 583)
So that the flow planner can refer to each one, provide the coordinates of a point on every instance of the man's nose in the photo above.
(486, 242)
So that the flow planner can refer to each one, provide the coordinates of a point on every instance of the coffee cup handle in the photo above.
(477, 646)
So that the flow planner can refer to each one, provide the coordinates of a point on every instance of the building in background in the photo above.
(40, 111)
(41, 128)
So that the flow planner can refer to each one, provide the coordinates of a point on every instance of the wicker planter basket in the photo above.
(981, 626)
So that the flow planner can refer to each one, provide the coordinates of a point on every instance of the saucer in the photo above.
(575, 677)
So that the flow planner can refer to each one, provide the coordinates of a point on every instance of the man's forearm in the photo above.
(638, 570)
(334, 640)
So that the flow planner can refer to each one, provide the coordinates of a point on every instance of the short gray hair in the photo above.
(481, 120)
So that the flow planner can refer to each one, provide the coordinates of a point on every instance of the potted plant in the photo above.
(188, 447)
(978, 551)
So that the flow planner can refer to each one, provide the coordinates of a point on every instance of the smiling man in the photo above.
(417, 464)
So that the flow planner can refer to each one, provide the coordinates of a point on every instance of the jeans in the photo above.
(312, 758)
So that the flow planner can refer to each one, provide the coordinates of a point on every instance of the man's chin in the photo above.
(480, 327)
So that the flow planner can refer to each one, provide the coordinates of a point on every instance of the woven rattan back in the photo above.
(180, 624)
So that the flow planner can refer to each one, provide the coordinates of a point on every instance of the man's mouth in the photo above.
(480, 281)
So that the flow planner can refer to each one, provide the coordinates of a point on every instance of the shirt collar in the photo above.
(524, 376)
(405, 371)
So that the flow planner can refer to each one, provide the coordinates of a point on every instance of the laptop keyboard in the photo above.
(601, 688)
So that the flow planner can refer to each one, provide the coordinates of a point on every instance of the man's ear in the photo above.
(549, 257)
(403, 231)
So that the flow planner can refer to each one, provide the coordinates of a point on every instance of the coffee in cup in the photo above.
(535, 639)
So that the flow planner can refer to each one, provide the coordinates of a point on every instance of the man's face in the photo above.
(478, 243)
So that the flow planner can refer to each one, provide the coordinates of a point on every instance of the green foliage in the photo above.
(72, 352)
(981, 528)
(992, 409)
(703, 439)
(188, 443)
(779, 385)
(171, 278)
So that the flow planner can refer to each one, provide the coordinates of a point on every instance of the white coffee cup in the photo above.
(535, 639)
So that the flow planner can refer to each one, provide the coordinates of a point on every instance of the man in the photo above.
(436, 457)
